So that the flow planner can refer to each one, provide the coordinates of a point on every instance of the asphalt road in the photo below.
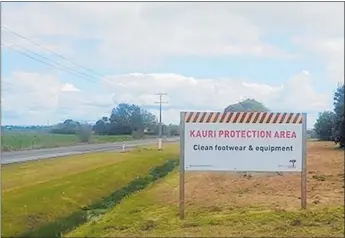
(27, 155)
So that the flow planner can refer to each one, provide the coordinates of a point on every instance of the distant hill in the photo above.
(248, 105)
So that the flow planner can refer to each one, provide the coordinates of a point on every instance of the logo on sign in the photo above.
(292, 164)
(293, 161)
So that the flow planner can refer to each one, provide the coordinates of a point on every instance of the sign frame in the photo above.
(303, 171)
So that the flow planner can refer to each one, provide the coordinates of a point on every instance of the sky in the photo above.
(204, 55)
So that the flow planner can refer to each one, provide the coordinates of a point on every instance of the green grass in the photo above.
(45, 191)
(146, 215)
(32, 140)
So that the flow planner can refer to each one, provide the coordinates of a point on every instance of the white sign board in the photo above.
(243, 141)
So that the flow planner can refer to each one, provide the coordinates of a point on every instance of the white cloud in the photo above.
(22, 90)
(309, 18)
(329, 50)
(194, 92)
(142, 31)
(67, 87)
(47, 98)
(145, 34)
(187, 93)
(36, 45)
(299, 95)
(33, 96)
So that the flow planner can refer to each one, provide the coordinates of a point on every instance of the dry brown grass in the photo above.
(270, 190)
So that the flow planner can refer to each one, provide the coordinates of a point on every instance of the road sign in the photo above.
(243, 142)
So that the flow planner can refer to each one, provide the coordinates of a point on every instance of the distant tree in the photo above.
(324, 125)
(101, 127)
(121, 119)
(339, 122)
(84, 132)
(248, 105)
(165, 130)
(173, 130)
(67, 127)
(150, 122)
(312, 134)
(136, 119)
(69, 122)
(127, 119)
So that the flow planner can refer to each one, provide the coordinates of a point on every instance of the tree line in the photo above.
(330, 125)
(125, 119)
(128, 119)
(131, 119)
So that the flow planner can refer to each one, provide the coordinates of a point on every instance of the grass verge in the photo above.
(94, 211)
(59, 202)
(147, 214)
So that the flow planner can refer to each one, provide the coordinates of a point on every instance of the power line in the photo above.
(20, 52)
(45, 60)
(58, 55)
(61, 56)
(36, 59)
(41, 61)
(49, 62)
(9, 84)
(160, 118)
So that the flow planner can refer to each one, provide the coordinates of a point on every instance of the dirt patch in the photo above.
(274, 191)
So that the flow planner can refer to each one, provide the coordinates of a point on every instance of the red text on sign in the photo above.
(283, 134)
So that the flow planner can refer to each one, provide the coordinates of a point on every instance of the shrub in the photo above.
(139, 134)
(84, 132)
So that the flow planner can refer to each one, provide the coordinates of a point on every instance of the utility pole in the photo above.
(160, 119)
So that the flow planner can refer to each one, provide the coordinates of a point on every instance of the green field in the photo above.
(33, 140)
(40, 197)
